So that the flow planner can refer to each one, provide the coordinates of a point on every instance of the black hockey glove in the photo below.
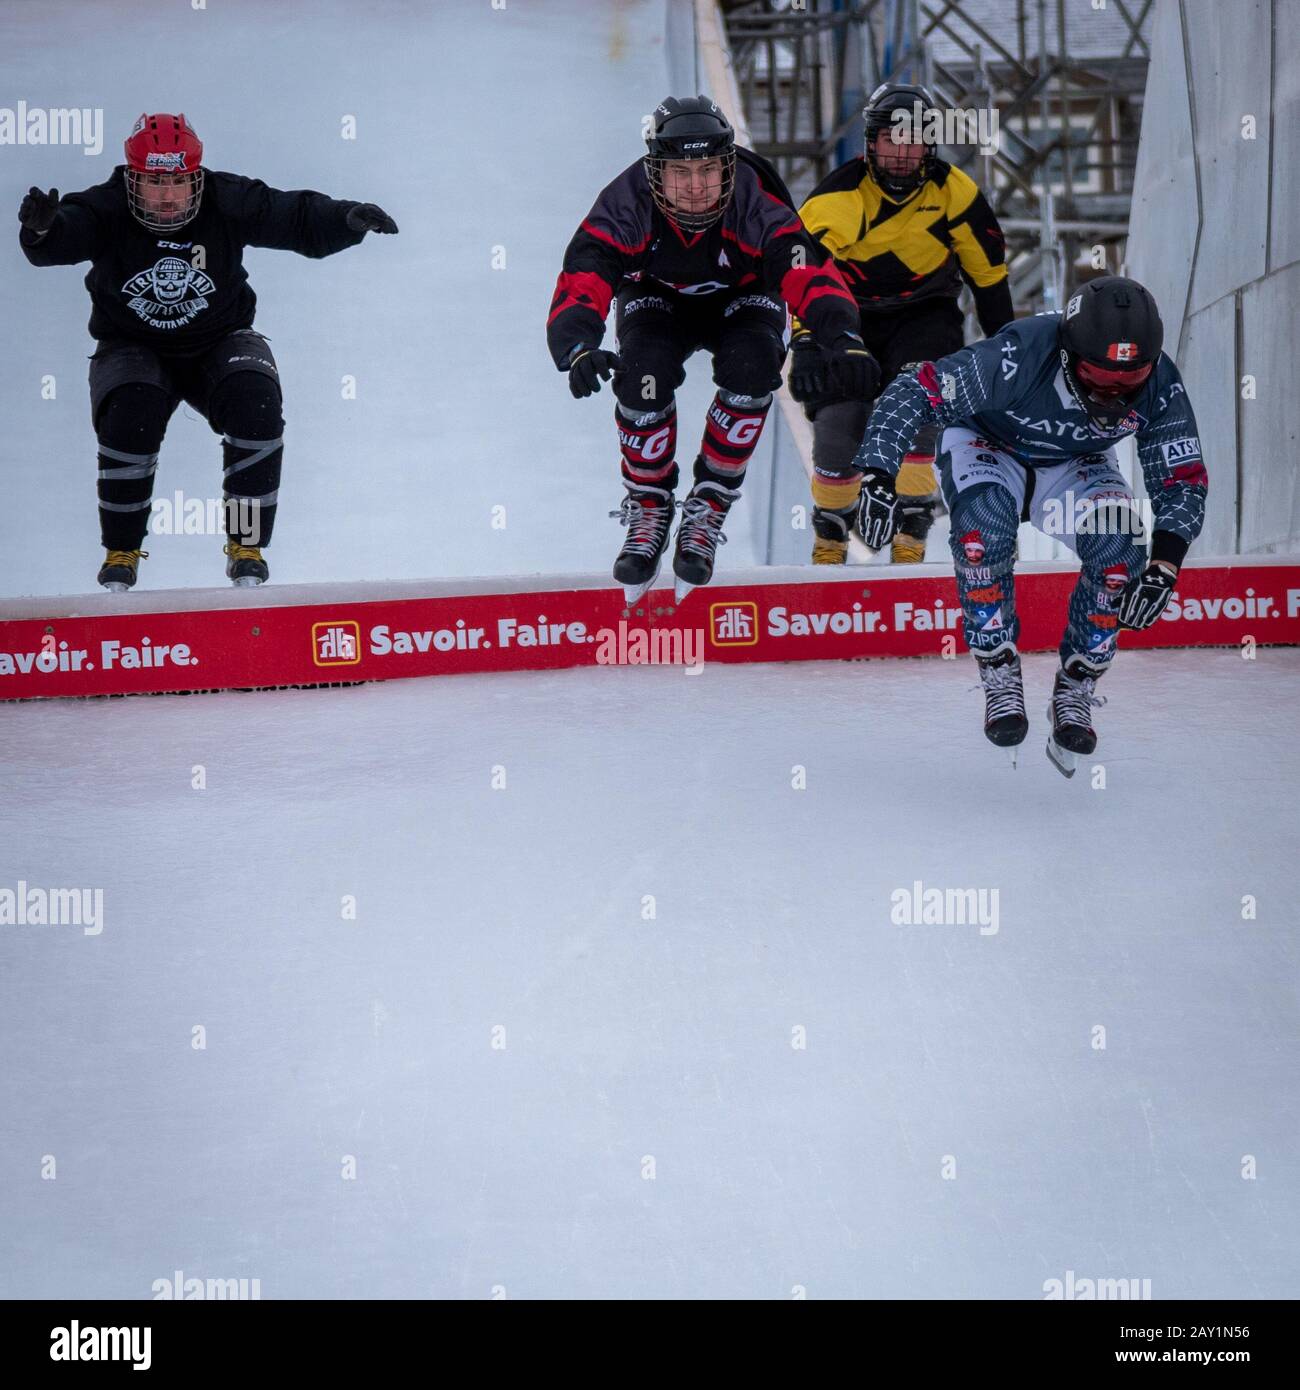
(853, 369)
(366, 217)
(38, 210)
(807, 368)
(588, 367)
(1145, 596)
(877, 509)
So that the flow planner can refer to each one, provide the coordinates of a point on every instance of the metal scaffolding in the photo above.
(1067, 98)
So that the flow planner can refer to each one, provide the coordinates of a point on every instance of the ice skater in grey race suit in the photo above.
(1030, 419)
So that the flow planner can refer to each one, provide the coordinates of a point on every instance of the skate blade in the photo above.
(1065, 762)
(634, 593)
(115, 586)
(681, 588)
(247, 581)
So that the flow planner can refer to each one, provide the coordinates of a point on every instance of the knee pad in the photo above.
(749, 364)
(649, 376)
(247, 405)
(984, 526)
(133, 418)
(838, 428)
(1108, 535)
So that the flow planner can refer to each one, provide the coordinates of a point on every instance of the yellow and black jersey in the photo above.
(892, 253)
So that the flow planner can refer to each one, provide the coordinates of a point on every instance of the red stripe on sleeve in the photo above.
(580, 288)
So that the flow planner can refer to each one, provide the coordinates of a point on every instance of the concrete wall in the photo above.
(1215, 235)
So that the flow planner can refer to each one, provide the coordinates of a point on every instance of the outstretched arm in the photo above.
(300, 220)
(55, 232)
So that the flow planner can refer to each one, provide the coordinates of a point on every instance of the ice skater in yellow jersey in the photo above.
(905, 230)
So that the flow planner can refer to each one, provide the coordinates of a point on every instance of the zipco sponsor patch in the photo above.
(1176, 450)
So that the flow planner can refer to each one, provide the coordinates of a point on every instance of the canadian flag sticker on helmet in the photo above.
(1122, 352)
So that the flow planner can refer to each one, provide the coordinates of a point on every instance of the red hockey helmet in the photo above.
(164, 174)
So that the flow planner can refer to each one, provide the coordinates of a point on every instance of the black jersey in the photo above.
(759, 241)
(181, 291)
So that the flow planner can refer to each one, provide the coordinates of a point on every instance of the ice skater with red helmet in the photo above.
(172, 312)
(697, 245)
(1030, 419)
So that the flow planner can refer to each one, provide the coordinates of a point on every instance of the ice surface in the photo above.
(522, 908)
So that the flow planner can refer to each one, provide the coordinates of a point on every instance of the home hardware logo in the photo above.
(336, 644)
(733, 624)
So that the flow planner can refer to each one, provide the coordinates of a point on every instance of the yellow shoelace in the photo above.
(130, 558)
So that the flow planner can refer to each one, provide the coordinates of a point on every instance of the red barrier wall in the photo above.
(863, 611)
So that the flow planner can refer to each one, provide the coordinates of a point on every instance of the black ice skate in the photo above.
(245, 568)
(700, 535)
(1073, 696)
(647, 512)
(1005, 722)
(118, 572)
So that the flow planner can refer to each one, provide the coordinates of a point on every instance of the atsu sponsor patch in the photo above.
(1179, 450)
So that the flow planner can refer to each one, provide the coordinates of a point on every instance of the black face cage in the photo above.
(137, 179)
(891, 182)
(692, 221)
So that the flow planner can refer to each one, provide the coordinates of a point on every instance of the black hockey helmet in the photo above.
(898, 106)
(687, 128)
(1111, 336)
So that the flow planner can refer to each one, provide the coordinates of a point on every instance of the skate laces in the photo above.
(236, 551)
(701, 530)
(1074, 698)
(125, 557)
(646, 525)
(1003, 690)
